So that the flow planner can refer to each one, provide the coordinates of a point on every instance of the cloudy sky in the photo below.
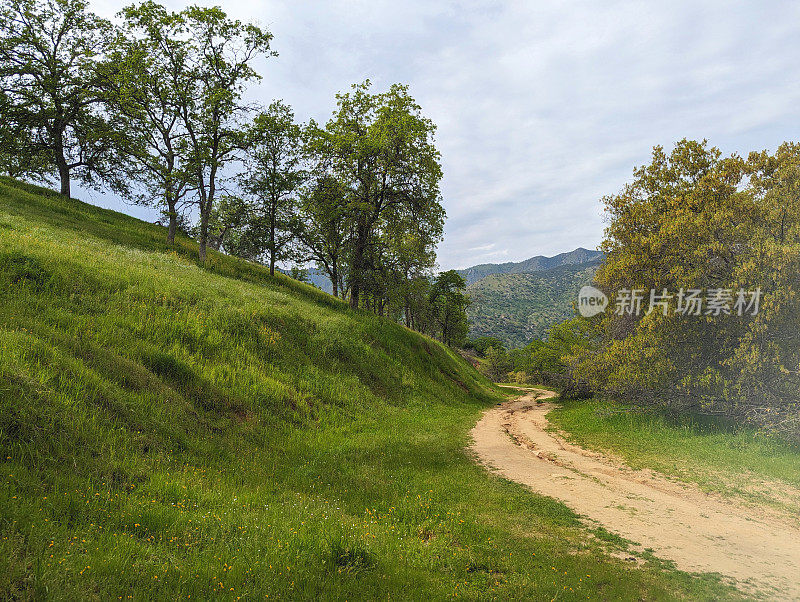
(542, 107)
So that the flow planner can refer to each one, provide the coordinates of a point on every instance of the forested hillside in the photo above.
(155, 107)
(516, 308)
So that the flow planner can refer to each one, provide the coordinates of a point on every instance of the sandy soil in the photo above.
(757, 548)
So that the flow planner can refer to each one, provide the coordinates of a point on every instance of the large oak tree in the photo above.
(54, 89)
(150, 64)
(205, 61)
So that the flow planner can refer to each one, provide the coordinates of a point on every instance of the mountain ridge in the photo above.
(538, 263)
(518, 307)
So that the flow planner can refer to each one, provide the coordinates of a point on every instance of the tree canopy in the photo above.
(695, 220)
(381, 148)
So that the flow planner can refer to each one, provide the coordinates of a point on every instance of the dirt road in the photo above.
(758, 548)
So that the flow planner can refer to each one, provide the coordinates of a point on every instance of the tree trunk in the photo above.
(173, 226)
(203, 231)
(335, 280)
(171, 196)
(206, 206)
(273, 211)
(173, 221)
(357, 268)
(63, 174)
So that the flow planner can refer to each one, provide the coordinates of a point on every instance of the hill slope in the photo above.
(534, 264)
(516, 308)
(170, 431)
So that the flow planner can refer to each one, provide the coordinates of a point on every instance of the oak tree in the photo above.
(54, 89)
(380, 146)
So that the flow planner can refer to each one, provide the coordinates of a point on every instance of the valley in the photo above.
(171, 430)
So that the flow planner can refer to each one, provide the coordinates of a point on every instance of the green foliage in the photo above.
(272, 177)
(298, 273)
(556, 360)
(693, 219)
(497, 364)
(18, 159)
(147, 64)
(169, 430)
(519, 307)
(156, 108)
(380, 147)
(228, 228)
(194, 67)
(482, 344)
(221, 52)
(323, 228)
(448, 304)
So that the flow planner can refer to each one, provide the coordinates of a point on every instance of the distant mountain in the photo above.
(534, 264)
(319, 278)
(315, 276)
(517, 307)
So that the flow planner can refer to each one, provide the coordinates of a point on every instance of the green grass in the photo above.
(724, 458)
(170, 431)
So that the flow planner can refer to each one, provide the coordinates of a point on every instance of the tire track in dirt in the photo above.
(759, 548)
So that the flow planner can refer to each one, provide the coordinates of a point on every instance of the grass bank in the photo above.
(175, 431)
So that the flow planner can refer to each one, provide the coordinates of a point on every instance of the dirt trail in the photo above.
(758, 548)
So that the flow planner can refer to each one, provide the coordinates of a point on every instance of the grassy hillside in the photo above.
(516, 308)
(534, 264)
(169, 431)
